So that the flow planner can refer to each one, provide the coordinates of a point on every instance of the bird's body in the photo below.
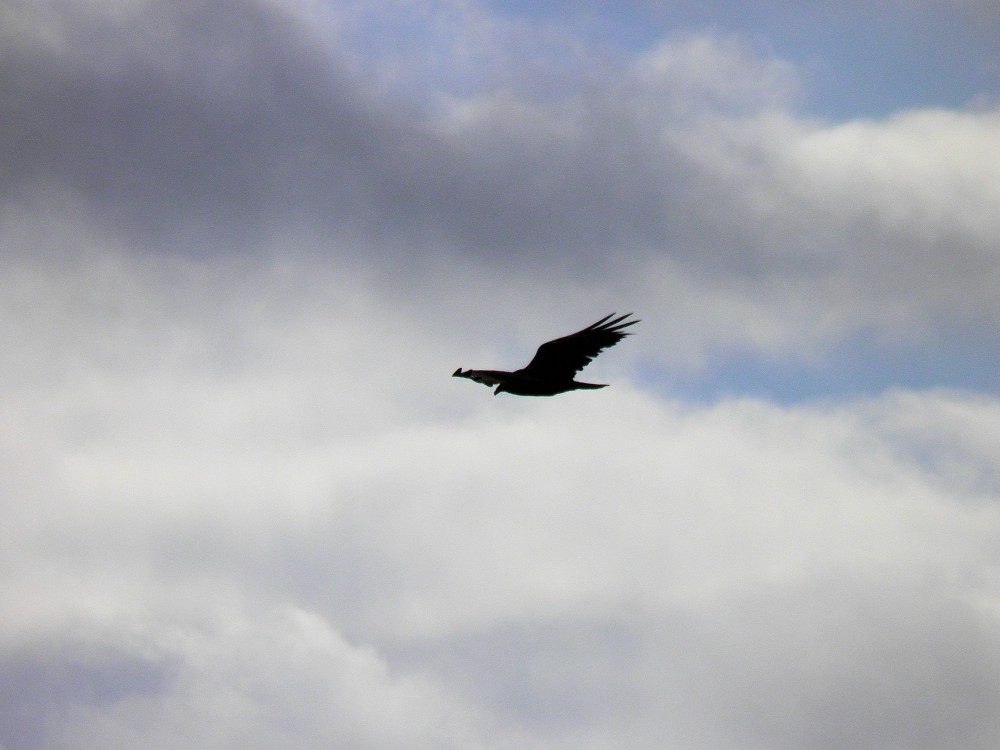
(556, 362)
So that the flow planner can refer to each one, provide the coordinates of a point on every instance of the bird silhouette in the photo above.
(556, 362)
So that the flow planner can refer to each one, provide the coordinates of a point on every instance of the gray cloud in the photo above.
(823, 666)
(55, 677)
(237, 123)
(282, 679)
(203, 129)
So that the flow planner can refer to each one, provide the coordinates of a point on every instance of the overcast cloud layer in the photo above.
(243, 505)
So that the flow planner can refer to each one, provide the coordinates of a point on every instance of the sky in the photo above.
(244, 245)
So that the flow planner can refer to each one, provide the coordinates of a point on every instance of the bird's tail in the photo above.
(589, 386)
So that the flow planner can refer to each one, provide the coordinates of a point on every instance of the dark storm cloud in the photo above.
(209, 115)
(234, 124)
(232, 116)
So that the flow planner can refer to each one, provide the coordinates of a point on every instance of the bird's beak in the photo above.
(457, 373)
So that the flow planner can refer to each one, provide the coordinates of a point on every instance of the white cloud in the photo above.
(564, 573)
(281, 678)
(704, 72)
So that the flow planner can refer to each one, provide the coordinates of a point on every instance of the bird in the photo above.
(555, 364)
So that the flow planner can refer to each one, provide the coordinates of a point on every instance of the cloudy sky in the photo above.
(243, 246)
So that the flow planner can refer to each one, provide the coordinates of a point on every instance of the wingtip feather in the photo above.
(592, 326)
(614, 326)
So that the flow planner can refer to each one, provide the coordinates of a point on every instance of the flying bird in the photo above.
(556, 362)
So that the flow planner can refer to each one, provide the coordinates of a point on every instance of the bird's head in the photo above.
(457, 373)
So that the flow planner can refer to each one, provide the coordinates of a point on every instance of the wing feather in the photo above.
(564, 357)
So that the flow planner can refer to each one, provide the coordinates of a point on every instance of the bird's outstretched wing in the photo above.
(565, 357)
